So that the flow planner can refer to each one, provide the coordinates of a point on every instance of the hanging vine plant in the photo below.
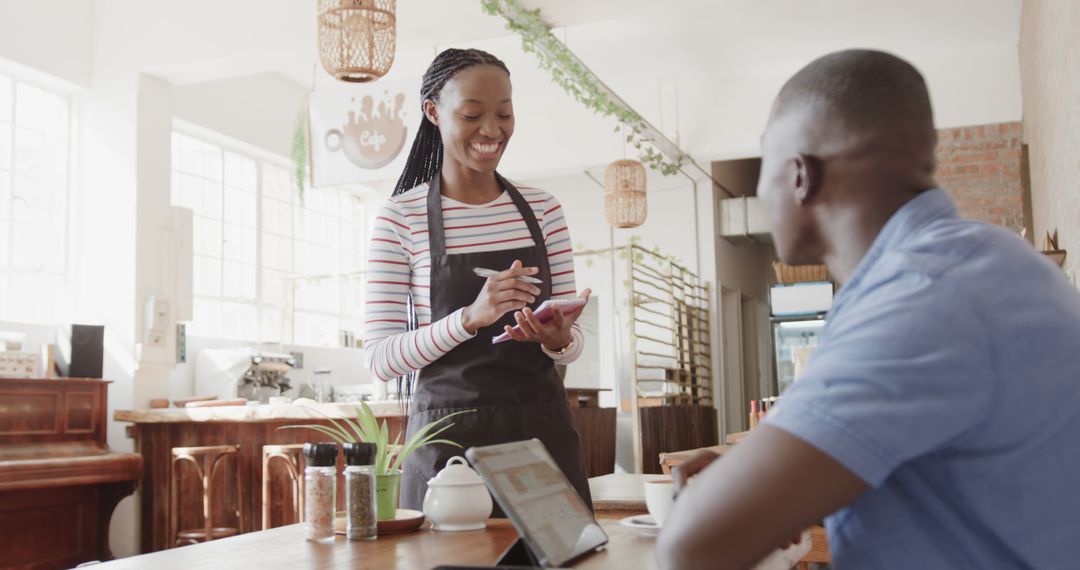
(300, 152)
(568, 72)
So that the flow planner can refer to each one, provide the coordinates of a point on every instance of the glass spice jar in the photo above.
(320, 481)
(361, 522)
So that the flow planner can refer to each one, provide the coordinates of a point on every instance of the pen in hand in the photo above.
(485, 273)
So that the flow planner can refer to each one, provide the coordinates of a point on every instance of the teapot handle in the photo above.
(460, 461)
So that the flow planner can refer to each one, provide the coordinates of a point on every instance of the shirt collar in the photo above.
(924, 208)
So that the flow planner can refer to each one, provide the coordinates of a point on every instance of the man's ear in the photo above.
(808, 175)
(431, 111)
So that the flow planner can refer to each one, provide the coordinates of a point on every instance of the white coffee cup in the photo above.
(659, 496)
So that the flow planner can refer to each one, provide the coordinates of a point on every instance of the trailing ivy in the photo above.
(566, 70)
(300, 152)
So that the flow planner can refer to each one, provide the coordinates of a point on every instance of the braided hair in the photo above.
(426, 156)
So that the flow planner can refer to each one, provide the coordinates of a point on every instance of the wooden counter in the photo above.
(156, 432)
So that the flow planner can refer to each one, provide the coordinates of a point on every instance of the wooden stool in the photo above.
(206, 460)
(293, 456)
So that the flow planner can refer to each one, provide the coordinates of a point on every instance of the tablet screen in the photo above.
(536, 496)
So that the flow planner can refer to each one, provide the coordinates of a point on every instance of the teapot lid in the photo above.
(456, 472)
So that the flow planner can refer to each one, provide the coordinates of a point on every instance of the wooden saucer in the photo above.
(406, 521)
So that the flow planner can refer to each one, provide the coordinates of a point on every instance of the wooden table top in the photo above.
(285, 547)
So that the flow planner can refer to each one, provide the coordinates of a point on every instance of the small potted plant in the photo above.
(387, 462)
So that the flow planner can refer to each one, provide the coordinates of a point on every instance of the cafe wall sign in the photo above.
(357, 134)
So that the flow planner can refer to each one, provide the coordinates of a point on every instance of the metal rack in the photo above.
(669, 322)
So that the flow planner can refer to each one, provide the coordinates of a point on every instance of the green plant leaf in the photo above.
(336, 436)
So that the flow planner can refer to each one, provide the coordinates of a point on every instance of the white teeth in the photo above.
(485, 148)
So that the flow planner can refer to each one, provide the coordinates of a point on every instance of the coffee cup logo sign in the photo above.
(372, 136)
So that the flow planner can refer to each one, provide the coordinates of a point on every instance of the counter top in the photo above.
(264, 412)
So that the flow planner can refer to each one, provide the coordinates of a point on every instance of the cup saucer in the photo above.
(643, 523)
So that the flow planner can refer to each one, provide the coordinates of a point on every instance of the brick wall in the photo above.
(981, 167)
(1050, 85)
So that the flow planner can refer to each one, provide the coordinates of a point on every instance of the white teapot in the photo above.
(457, 498)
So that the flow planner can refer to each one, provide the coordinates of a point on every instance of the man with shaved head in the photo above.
(937, 425)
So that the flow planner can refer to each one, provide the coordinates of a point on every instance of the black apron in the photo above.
(513, 386)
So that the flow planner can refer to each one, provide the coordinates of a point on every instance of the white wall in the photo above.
(257, 109)
(50, 36)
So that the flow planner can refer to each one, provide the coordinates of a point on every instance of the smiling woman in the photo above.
(428, 312)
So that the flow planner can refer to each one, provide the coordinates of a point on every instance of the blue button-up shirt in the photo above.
(948, 379)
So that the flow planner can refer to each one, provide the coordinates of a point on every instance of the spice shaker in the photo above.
(320, 480)
(361, 522)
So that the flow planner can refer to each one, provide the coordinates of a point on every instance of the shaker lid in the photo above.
(456, 472)
(321, 454)
(360, 453)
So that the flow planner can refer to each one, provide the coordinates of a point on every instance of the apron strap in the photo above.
(437, 233)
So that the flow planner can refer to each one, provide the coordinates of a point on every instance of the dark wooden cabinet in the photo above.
(59, 482)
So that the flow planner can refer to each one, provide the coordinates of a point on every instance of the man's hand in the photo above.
(682, 473)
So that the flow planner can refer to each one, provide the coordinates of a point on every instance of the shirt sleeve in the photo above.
(391, 350)
(903, 372)
(561, 261)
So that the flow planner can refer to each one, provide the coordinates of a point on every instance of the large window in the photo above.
(267, 266)
(34, 193)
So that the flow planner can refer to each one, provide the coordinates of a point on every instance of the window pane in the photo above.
(30, 152)
(5, 233)
(207, 236)
(277, 217)
(174, 149)
(5, 195)
(29, 107)
(240, 321)
(239, 172)
(276, 252)
(207, 318)
(5, 99)
(207, 272)
(190, 155)
(211, 199)
(5, 146)
(275, 288)
(211, 161)
(239, 244)
(31, 246)
(275, 183)
(240, 207)
(190, 193)
(41, 298)
(314, 330)
(239, 281)
(30, 199)
(56, 116)
(54, 158)
(302, 262)
(272, 325)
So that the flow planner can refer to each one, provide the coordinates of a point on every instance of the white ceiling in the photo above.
(202, 39)
(719, 61)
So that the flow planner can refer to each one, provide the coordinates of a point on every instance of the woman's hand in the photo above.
(502, 293)
(554, 334)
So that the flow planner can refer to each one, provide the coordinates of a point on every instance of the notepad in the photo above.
(545, 314)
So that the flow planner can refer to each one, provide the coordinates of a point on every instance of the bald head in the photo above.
(850, 139)
(863, 94)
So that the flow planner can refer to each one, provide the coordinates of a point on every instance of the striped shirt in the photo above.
(399, 264)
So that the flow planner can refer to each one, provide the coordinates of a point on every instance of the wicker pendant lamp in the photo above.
(357, 38)
(625, 204)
